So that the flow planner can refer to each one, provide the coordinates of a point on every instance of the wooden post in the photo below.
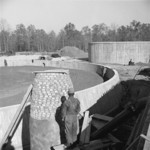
(88, 131)
(85, 131)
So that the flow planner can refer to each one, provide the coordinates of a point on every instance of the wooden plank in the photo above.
(88, 131)
(145, 137)
(135, 128)
(112, 112)
(95, 145)
(102, 117)
(98, 123)
(84, 126)
(17, 117)
(113, 139)
(133, 143)
(59, 147)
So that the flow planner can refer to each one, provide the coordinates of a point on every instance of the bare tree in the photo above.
(87, 37)
(4, 35)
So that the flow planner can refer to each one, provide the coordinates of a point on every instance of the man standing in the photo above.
(70, 110)
(5, 62)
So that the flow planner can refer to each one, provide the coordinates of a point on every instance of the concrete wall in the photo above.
(119, 52)
(6, 116)
(97, 99)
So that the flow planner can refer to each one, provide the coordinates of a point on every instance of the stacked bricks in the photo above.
(48, 88)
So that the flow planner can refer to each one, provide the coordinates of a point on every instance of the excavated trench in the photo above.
(130, 118)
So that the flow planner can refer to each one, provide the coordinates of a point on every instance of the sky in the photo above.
(55, 14)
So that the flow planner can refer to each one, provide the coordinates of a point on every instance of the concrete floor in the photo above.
(15, 80)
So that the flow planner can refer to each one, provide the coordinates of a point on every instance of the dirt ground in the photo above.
(129, 72)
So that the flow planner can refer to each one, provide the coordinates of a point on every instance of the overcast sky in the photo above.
(55, 14)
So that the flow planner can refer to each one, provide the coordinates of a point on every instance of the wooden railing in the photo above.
(17, 117)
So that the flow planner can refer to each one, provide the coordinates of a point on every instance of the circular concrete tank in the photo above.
(48, 88)
(102, 52)
(119, 52)
(88, 97)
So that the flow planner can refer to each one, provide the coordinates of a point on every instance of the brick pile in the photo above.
(48, 87)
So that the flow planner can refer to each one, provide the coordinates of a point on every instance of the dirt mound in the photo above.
(72, 52)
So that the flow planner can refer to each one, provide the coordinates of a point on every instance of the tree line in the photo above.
(37, 40)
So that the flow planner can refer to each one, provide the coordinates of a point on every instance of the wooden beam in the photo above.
(145, 137)
(113, 139)
(88, 131)
(95, 145)
(115, 110)
(84, 127)
(59, 147)
(98, 123)
(102, 117)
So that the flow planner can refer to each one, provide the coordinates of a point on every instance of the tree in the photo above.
(52, 41)
(22, 38)
(78, 38)
(61, 39)
(39, 40)
(4, 35)
(4, 38)
(95, 33)
(69, 31)
(32, 39)
(87, 36)
(145, 32)
(122, 33)
(42, 40)
(31, 32)
(112, 33)
(135, 27)
(12, 42)
(72, 36)
(99, 32)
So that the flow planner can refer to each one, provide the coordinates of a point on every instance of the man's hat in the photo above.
(70, 91)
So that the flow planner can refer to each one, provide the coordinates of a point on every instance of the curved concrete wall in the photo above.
(119, 52)
(6, 116)
(93, 98)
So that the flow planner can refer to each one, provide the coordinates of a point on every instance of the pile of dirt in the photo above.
(72, 52)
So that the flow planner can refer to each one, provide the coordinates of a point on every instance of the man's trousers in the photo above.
(71, 129)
